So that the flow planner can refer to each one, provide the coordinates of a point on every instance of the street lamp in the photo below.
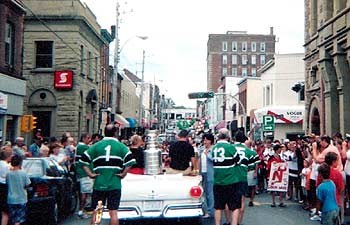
(142, 83)
(137, 36)
(117, 53)
(240, 104)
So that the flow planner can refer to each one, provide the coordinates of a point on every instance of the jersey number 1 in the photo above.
(108, 152)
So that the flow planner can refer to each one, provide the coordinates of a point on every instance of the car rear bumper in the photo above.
(170, 211)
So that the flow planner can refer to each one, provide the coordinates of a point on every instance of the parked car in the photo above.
(52, 194)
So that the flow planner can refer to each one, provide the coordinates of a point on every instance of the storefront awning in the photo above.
(122, 121)
(132, 122)
(282, 114)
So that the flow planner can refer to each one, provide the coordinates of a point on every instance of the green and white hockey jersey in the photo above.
(225, 159)
(109, 157)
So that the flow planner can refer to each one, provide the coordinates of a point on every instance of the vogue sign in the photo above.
(63, 79)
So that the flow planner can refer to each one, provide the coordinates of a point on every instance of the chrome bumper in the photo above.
(170, 211)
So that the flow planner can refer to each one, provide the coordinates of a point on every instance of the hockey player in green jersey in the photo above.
(111, 160)
(225, 159)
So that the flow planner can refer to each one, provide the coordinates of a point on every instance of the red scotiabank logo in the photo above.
(63, 79)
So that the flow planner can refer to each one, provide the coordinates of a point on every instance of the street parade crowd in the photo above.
(311, 170)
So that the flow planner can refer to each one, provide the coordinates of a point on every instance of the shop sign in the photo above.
(63, 79)
(3, 103)
(282, 114)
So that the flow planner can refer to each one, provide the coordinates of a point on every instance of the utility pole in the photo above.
(142, 84)
(115, 69)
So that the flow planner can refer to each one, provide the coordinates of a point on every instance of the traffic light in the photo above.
(25, 123)
(32, 123)
(195, 95)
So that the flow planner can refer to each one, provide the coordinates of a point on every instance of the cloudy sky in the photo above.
(178, 32)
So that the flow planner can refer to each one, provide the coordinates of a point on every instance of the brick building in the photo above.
(237, 54)
(12, 84)
(327, 53)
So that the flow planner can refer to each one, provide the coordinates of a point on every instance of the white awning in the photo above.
(122, 121)
(282, 114)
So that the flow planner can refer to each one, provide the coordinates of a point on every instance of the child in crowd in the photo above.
(305, 174)
(326, 195)
(17, 181)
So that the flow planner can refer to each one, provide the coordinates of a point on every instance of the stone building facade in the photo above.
(12, 83)
(62, 64)
(327, 71)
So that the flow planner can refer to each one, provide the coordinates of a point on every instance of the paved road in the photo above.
(260, 214)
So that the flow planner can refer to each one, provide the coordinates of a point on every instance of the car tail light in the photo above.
(196, 192)
(41, 190)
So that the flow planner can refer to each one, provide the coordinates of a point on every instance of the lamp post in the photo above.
(240, 104)
(117, 53)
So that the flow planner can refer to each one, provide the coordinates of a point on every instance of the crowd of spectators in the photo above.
(305, 157)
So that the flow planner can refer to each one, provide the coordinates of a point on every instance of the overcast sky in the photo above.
(178, 33)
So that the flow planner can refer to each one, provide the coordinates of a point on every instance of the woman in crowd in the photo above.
(138, 153)
(56, 154)
(207, 172)
(5, 158)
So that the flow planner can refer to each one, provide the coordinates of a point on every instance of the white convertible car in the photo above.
(160, 197)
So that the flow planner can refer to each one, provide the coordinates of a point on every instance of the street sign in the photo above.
(195, 95)
(268, 123)
(268, 133)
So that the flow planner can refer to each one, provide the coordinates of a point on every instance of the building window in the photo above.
(253, 72)
(9, 44)
(268, 94)
(234, 46)
(224, 59)
(44, 54)
(234, 59)
(234, 71)
(244, 59)
(262, 59)
(96, 69)
(253, 46)
(314, 17)
(253, 59)
(82, 59)
(90, 65)
(224, 46)
(262, 47)
(224, 72)
(244, 72)
(244, 46)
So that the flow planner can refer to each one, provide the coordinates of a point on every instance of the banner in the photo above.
(278, 178)
(3, 103)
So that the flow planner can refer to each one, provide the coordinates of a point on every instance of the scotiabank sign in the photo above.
(63, 79)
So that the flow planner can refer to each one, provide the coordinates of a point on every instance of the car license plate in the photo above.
(152, 205)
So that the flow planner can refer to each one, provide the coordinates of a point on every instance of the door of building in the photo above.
(43, 122)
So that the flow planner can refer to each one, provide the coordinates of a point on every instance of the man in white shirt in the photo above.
(291, 158)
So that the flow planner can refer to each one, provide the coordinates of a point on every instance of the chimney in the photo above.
(113, 31)
(271, 30)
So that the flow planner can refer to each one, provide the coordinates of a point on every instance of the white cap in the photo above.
(285, 141)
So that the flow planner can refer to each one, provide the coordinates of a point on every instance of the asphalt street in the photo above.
(260, 214)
